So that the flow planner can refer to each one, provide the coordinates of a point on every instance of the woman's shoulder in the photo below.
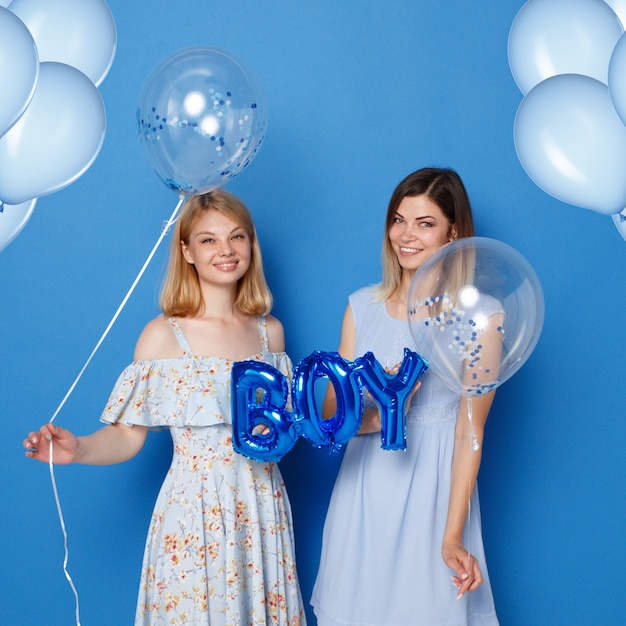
(275, 334)
(157, 341)
(365, 295)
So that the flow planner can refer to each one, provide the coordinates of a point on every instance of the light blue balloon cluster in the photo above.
(52, 117)
(201, 119)
(568, 57)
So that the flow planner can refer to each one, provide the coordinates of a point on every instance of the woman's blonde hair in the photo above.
(442, 186)
(180, 294)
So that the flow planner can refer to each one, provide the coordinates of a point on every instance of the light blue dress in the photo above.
(381, 558)
(220, 547)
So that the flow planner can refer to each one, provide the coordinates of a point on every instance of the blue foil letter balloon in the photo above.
(259, 396)
(336, 431)
(264, 430)
(391, 393)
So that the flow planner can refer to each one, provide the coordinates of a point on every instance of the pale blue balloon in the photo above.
(19, 67)
(572, 143)
(13, 218)
(80, 33)
(201, 117)
(619, 6)
(57, 138)
(551, 37)
(617, 78)
(619, 219)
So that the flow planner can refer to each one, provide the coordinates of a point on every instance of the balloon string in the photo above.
(469, 476)
(164, 232)
(64, 531)
(166, 228)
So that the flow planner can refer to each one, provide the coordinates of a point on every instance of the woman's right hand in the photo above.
(64, 445)
(370, 422)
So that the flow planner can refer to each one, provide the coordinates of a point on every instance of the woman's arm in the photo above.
(346, 350)
(109, 445)
(371, 417)
(465, 465)
(468, 442)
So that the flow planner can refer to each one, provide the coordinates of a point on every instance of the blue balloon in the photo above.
(391, 393)
(259, 395)
(56, 139)
(80, 33)
(572, 143)
(617, 78)
(264, 430)
(475, 309)
(332, 433)
(19, 77)
(202, 117)
(13, 219)
(552, 37)
(619, 6)
(619, 219)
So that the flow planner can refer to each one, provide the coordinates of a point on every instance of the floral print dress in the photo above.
(220, 547)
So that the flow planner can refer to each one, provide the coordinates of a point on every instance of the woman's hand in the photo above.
(370, 423)
(392, 371)
(468, 576)
(64, 445)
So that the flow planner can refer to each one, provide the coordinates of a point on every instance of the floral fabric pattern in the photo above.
(220, 546)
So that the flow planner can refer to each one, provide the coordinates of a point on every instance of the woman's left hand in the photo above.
(468, 576)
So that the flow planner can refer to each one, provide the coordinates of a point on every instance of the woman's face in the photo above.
(418, 230)
(218, 248)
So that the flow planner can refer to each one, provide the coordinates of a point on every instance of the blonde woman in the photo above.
(220, 547)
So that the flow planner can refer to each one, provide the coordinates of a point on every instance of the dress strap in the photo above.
(263, 332)
(182, 340)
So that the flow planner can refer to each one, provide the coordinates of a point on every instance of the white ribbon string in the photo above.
(164, 232)
(469, 478)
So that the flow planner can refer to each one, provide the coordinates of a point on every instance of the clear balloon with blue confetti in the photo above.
(201, 118)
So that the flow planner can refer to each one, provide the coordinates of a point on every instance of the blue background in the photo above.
(360, 94)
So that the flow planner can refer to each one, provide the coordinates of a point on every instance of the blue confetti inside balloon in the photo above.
(202, 118)
(476, 311)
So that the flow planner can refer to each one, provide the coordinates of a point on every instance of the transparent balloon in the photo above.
(475, 310)
(202, 117)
